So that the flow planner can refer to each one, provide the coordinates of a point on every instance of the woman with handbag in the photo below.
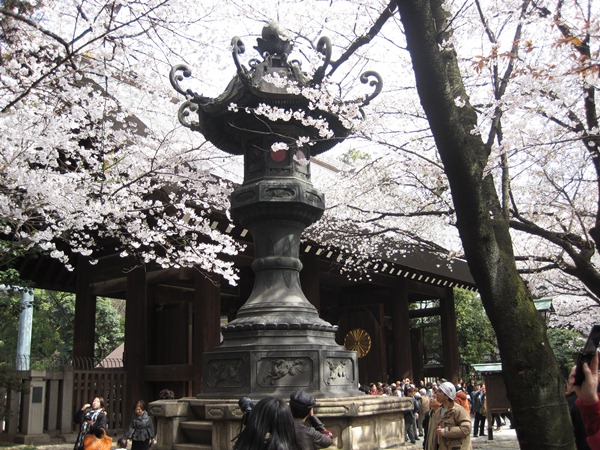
(93, 423)
(140, 430)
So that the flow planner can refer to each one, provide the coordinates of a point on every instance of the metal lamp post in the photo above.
(277, 343)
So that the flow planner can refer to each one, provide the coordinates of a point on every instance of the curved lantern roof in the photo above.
(230, 121)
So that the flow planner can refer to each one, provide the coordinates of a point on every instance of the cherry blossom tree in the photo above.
(483, 144)
(91, 157)
(483, 206)
(530, 77)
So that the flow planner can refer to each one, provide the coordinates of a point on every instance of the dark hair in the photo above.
(101, 400)
(141, 404)
(270, 427)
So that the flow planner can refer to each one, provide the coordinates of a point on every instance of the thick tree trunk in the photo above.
(535, 388)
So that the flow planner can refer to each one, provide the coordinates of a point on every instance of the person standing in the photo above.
(462, 399)
(578, 427)
(588, 400)
(410, 421)
(92, 419)
(433, 407)
(479, 410)
(423, 410)
(309, 437)
(140, 430)
(450, 425)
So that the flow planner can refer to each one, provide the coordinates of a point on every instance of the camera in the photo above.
(246, 405)
(316, 423)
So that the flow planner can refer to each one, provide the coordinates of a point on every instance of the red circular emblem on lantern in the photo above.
(279, 155)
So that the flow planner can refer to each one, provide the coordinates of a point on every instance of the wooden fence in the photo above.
(44, 403)
(106, 383)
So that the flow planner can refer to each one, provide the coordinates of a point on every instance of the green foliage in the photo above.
(10, 305)
(430, 333)
(52, 333)
(9, 252)
(8, 381)
(353, 155)
(476, 337)
(566, 344)
(110, 328)
(53, 325)
(477, 340)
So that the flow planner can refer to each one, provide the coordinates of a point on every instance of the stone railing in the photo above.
(365, 422)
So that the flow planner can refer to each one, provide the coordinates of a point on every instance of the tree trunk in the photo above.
(534, 386)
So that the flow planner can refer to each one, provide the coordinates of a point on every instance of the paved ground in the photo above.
(504, 439)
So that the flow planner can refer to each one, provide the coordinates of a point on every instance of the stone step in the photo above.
(197, 431)
(197, 425)
(190, 446)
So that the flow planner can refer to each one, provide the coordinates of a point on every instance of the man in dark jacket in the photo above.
(309, 437)
(478, 400)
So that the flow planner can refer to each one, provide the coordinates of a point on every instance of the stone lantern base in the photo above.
(259, 363)
(358, 423)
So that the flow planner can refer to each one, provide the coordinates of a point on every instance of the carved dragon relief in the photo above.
(284, 367)
(338, 372)
(225, 371)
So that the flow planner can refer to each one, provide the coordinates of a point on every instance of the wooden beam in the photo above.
(176, 277)
(167, 373)
(428, 312)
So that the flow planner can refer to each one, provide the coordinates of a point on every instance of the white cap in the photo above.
(448, 388)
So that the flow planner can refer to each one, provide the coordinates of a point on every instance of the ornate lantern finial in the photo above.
(275, 40)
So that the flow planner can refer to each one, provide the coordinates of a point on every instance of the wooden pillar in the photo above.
(66, 412)
(206, 323)
(84, 328)
(136, 337)
(309, 279)
(450, 337)
(401, 333)
(383, 359)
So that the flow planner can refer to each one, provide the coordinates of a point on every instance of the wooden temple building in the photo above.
(173, 316)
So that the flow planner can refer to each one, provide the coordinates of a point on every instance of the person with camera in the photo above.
(268, 425)
(588, 400)
(313, 435)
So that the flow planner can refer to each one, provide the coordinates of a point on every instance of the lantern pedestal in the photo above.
(278, 343)
(277, 116)
(367, 422)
